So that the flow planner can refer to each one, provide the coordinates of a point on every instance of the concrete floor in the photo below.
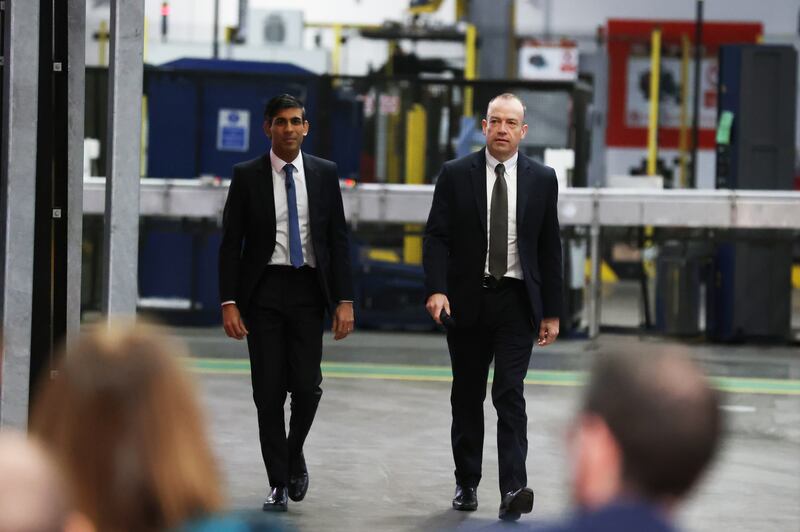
(379, 455)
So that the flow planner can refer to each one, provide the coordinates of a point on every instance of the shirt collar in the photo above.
(278, 163)
(509, 164)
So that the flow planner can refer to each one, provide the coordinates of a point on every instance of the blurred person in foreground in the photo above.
(122, 421)
(647, 430)
(33, 497)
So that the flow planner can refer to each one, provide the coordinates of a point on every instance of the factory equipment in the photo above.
(205, 115)
(750, 291)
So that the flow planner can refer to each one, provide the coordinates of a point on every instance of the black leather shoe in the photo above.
(466, 499)
(298, 486)
(516, 503)
(276, 501)
(298, 478)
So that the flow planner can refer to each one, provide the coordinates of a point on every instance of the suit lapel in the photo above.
(478, 179)
(313, 188)
(265, 191)
(525, 179)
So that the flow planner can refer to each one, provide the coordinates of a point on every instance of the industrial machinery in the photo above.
(750, 288)
(205, 115)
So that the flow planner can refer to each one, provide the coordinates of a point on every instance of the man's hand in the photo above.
(435, 304)
(548, 331)
(232, 322)
(343, 320)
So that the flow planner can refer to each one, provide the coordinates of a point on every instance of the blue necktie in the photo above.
(295, 245)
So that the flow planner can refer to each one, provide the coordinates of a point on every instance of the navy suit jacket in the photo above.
(248, 231)
(456, 239)
(628, 516)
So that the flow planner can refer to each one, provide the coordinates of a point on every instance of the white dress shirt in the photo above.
(514, 266)
(281, 253)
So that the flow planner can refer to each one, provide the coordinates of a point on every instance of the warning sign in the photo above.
(233, 130)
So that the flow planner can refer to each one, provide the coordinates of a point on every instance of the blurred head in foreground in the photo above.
(122, 420)
(648, 427)
(32, 495)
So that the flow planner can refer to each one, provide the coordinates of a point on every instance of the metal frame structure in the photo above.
(50, 246)
(76, 89)
(388, 203)
(121, 239)
(17, 197)
(594, 208)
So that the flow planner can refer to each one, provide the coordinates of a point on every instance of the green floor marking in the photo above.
(419, 373)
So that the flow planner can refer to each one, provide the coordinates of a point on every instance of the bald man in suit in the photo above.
(492, 260)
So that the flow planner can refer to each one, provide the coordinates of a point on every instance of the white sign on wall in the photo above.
(548, 63)
(233, 130)
(637, 102)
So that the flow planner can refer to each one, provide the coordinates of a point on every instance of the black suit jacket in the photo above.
(248, 230)
(456, 240)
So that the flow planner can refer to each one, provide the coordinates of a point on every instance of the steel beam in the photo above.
(76, 81)
(17, 204)
(400, 204)
(121, 238)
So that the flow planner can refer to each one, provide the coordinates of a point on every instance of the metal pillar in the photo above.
(215, 40)
(381, 135)
(76, 87)
(49, 302)
(17, 198)
(593, 307)
(121, 237)
(241, 30)
(698, 59)
(597, 65)
(495, 26)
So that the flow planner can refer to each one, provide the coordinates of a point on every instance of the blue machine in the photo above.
(750, 291)
(178, 267)
(190, 102)
(204, 117)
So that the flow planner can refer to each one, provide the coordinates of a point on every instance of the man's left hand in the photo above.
(548, 331)
(343, 320)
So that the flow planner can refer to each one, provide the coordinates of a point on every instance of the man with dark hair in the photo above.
(649, 426)
(284, 259)
(492, 259)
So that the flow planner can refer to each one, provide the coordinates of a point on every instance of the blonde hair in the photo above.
(122, 420)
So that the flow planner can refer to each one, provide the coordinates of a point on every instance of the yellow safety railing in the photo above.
(470, 66)
(416, 141)
(652, 126)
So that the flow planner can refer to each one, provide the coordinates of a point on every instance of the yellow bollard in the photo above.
(416, 140)
(655, 78)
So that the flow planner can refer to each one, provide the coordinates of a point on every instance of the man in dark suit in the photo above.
(283, 260)
(492, 259)
(649, 426)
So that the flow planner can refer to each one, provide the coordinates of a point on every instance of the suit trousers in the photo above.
(504, 332)
(285, 343)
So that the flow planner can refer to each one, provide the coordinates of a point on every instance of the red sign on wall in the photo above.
(629, 69)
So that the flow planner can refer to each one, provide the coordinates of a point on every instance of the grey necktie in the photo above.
(498, 230)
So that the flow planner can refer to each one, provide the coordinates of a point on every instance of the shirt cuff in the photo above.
(345, 301)
(231, 302)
